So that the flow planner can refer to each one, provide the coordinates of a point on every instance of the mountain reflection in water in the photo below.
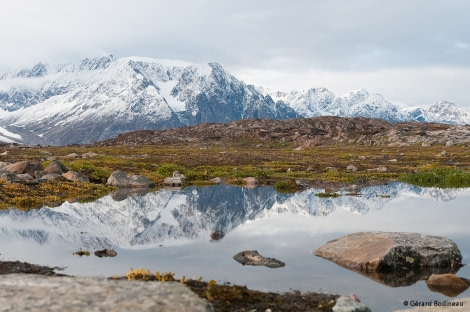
(174, 217)
(175, 229)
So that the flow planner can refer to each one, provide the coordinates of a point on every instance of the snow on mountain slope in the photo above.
(322, 102)
(9, 137)
(100, 98)
(103, 97)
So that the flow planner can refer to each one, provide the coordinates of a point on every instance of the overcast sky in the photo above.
(412, 51)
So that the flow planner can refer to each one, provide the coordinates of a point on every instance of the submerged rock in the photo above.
(252, 257)
(105, 253)
(448, 284)
(391, 251)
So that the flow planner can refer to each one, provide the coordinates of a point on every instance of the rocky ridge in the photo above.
(305, 132)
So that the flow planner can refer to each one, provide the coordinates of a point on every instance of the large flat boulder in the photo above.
(391, 252)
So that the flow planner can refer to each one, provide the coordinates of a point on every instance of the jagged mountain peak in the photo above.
(101, 97)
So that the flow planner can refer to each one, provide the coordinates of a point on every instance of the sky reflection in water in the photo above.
(170, 231)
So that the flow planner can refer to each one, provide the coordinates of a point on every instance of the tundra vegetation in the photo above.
(279, 164)
(227, 297)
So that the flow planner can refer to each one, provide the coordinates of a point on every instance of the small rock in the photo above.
(73, 156)
(447, 284)
(217, 235)
(348, 304)
(89, 155)
(216, 180)
(105, 253)
(250, 182)
(55, 167)
(252, 257)
(75, 176)
(120, 179)
(52, 176)
(351, 168)
(24, 167)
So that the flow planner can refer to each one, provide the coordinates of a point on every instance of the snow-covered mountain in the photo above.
(103, 97)
(322, 102)
(179, 217)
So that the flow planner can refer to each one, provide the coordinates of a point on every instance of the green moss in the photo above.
(438, 177)
(286, 186)
(327, 195)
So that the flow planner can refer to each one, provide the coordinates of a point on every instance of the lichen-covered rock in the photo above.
(252, 257)
(121, 179)
(250, 182)
(55, 167)
(176, 180)
(24, 167)
(75, 176)
(391, 251)
(348, 304)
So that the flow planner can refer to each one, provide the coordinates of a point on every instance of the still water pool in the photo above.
(170, 230)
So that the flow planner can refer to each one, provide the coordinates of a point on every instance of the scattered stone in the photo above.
(217, 235)
(175, 181)
(90, 155)
(55, 167)
(105, 253)
(391, 251)
(252, 257)
(349, 304)
(448, 284)
(24, 167)
(121, 179)
(216, 180)
(8, 176)
(351, 168)
(51, 177)
(73, 156)
(75, 176)
(24, 177)
(250, 182)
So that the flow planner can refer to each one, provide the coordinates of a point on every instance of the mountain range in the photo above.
(100, 98)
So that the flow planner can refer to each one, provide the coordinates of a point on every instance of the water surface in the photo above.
(170, 230)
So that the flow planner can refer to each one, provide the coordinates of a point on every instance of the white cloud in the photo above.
(387, 46)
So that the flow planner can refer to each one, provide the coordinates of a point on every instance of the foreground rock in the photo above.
(94, 294)
(393, 253)
(252, 257)
(121, 179)
(349, 304)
